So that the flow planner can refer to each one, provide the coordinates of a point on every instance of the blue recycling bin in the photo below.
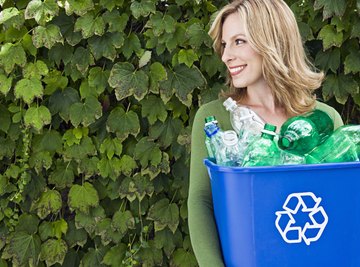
(299, 215)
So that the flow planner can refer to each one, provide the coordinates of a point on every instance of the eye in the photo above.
(223, 44)
(239, 41)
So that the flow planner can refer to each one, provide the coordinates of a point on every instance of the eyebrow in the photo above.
(235, 36)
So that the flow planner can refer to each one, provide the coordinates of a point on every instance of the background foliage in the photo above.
(96, 106)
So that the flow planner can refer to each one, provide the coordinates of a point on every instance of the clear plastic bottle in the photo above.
(300, 134)
(246, 123)
(343, 145)
(209, 121)
(263, 151)
(231, 153)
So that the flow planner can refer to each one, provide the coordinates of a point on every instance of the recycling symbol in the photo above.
(304, 205)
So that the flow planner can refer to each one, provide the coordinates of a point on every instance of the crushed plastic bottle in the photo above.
(300, 134)
(214, 132)
(246, 123)
(263, 151)
(231, 153)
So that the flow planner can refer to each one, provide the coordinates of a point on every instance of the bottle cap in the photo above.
(229, 104)
(230, 138)
(285, 142)
(210, 119)
(211, 130)
(269, 129)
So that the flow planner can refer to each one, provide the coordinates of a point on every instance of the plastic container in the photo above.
(298, 215)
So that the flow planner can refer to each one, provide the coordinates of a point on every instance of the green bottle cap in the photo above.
(270, 127)
(285, 142)
(210, 119)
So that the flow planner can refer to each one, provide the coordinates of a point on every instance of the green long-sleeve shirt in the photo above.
(203, 232)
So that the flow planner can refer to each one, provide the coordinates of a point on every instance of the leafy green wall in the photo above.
(96, 105)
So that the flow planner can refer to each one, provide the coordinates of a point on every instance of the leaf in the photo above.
(98, 79)
(89, 24)
(211, 64)
(5, 119)
(27, 223)
(60, 102)
(37, 117)
(123, 123)
(153, 108)
(115, 255)
(11, 55)
(197, 35)
(109, 167)
(80, 151)
(340, 87)
(49, 202)
(54, 80)
(111, 147)
(166, 132)
(75, 237)
(122, 221)
(164, 215)
(5, 84)
(132, 45)
(188, 57)
(127, 165)
(41, 11)
(79, 7)
(145, 58)
(47, 36)
(136, 187)
(116, 22)
(8, 13)
(142, 8)
(157, 73)
(127, 81)
(329, 59)
(182, 80)
(147, 152)
(40, 160)
(110, 4)
(53, 229)
(330, 36)
(352, 62)
(93, 257)
(61, 53)
(82, 197)
(35, 70)
(85, 113)
(62, 176)
(24, 248)
(150, 256)
(183, 258)
(89, 221)
(53, 251)
(105, 45)
(82, 59)
(160, 23)
(331, 7)
(28, 89)
(168, 241)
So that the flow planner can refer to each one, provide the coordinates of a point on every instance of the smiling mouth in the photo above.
(236, 70)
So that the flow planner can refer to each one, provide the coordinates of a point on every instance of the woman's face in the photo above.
(243, 62)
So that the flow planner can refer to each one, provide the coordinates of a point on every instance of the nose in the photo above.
(227, 54)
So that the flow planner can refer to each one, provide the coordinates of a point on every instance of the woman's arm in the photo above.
(203, 232)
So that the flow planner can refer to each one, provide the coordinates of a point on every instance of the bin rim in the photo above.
(281, 168)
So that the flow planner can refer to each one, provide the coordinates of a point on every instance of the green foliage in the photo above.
(97, 98)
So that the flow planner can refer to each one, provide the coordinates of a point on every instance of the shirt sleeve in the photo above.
(202, 226)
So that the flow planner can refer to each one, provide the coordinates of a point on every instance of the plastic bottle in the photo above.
(263, 151)
(341, 146)
(209, 121)
(214, 132)
(300, 134)
(231, 153)
(246, 123)
(287, 158)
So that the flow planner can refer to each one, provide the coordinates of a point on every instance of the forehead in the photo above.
(233, 26)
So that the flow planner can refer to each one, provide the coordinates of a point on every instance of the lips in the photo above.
(236, 70)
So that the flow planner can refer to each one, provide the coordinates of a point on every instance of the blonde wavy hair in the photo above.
(272, 31)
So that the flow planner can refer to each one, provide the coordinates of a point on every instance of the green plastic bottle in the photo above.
(300, 134)
(343, 145)
(263, 151)
(208, 122)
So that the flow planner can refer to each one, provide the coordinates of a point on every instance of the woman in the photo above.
(260, 43)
